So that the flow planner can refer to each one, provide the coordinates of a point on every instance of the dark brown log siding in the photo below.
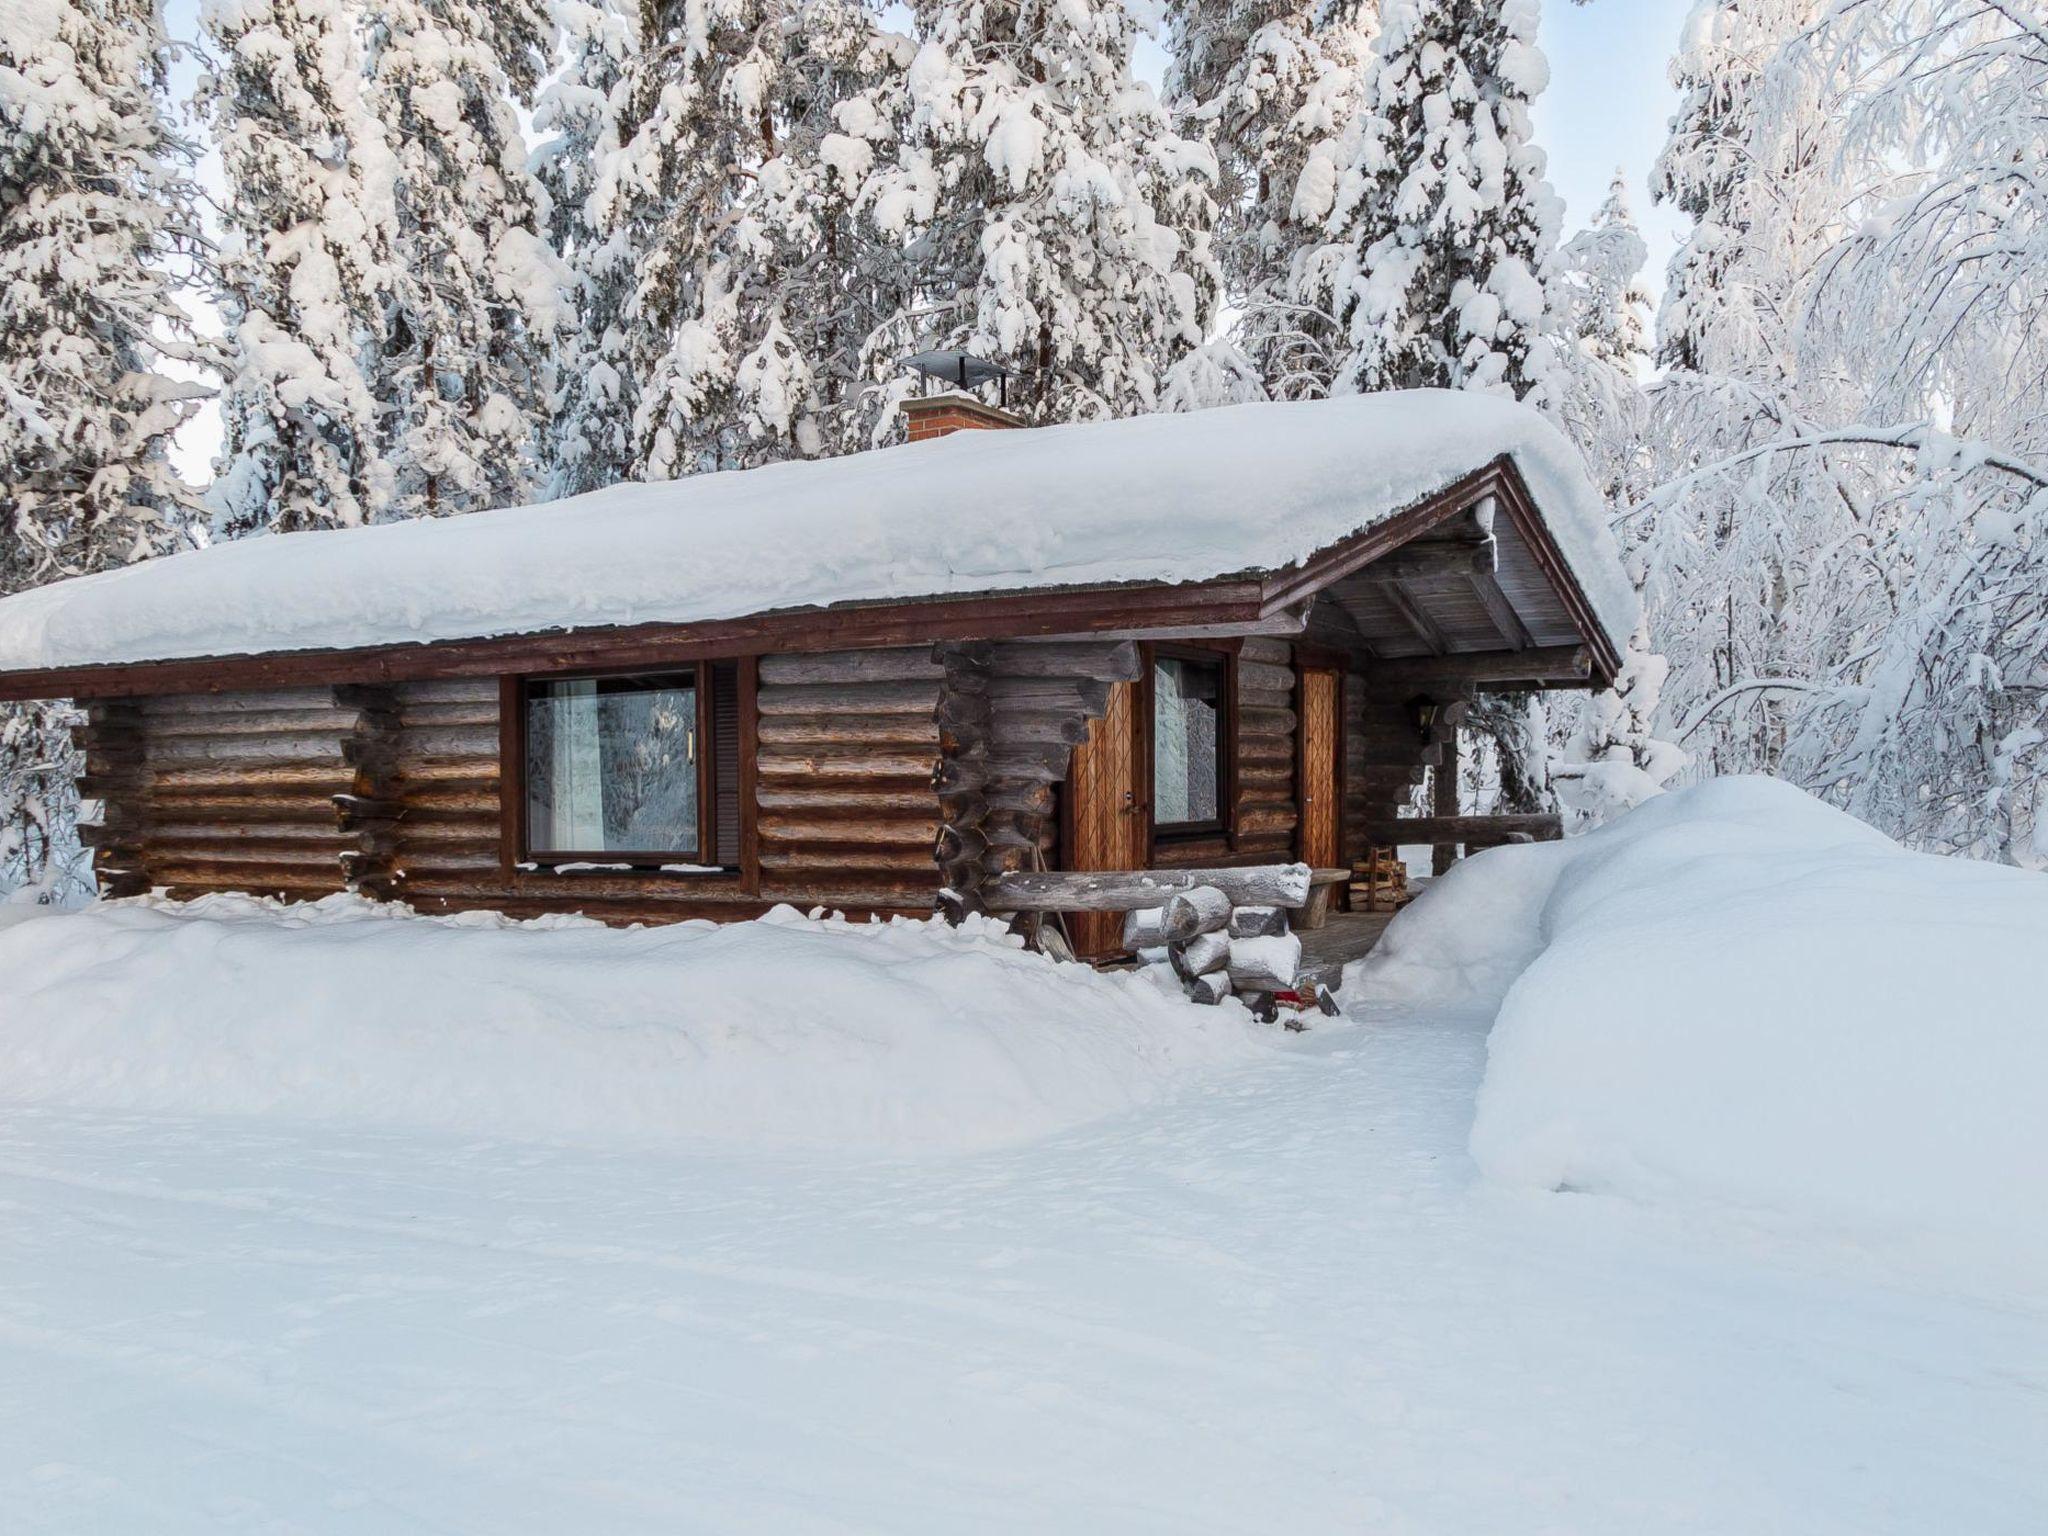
(398, 791)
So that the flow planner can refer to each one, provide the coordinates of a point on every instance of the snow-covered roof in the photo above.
(1171, 498)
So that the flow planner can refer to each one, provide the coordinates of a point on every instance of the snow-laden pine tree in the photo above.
(1615, 759)
(1439, 223)
(304, 269)
(1601, 311)
(1055, 221)
(479, 297)
(577, 118)
(96, 204)
(729, 286)
(1273, 86)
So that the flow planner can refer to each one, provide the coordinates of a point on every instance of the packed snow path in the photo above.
(1279, 1301)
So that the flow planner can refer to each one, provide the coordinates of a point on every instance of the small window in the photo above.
(617, 770)
(1187, 743)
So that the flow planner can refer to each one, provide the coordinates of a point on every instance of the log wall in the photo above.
(396, 791)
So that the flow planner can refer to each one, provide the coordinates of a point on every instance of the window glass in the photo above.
(611, 765)
(1186, 703)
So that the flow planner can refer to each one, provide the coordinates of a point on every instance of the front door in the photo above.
(1106, 813)
(1322, 766)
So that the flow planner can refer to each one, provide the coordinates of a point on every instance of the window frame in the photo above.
(519, 859)
(1224, 658)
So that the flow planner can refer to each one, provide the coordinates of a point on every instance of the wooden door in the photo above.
(1106, 813)
(1322, 766)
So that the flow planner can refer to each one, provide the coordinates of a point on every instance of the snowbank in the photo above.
(1155, 498)
(786, 1033)
(1735, 992)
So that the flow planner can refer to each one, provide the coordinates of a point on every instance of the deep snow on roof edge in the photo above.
(1166, 498)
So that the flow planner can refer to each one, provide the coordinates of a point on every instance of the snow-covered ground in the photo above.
(1107, 1263)
(1281, 1300)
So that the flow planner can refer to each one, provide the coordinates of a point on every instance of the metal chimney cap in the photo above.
(955, 367)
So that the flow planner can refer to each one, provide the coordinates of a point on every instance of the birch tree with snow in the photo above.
(479, 297)
(1844, 555)
(1056, 221)
(1439, 223)
(305, 269)
(96, 205)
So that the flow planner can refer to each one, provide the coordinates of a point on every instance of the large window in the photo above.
(629, 770)
(1190, 725)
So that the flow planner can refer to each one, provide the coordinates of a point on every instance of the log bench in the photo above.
(1323, 887)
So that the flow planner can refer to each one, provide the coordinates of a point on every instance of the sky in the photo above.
(1608, 107)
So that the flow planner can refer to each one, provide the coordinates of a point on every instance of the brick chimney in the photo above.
(936, 415)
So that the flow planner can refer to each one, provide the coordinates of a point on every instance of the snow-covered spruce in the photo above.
(478, 295)
(1601, 311)
(1268, 86)
(729, 289)
(1439, 223)
(577, 119)
(1615, 759)
(95, 201)
(305, 267)
(1058, 222)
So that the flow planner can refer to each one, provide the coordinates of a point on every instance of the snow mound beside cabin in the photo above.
(787, 1033)
(1735, 992)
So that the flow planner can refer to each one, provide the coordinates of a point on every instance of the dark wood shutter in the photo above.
(725, 762)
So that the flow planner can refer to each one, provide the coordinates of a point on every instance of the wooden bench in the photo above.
(1323, 885)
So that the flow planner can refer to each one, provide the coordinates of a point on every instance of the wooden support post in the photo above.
(1445, 803)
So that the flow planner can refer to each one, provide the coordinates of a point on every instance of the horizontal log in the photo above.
(329, 720)
(428, 691)
(919, 801)
(1198, 910)
(1266, 722)
(257, 700)
(782, 762)
(1281, 885)
(167, 751)
(846, 730)
(1211, 989)
(917, 831)
(1262, 648)
(1565, 664)
(909, 861)
(1111, 661)
(461, 713)
(850, 666)
(1443, 830)
(1264, 675)
(1427, 560)
(910, 697)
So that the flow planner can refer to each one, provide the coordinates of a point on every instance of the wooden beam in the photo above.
(1568, 665)
(1513, 632)
(1403, 603)
(1255, 885)
(1483, 831)
(1436, 560)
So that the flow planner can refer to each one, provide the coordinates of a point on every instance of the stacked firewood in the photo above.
(1218, 950)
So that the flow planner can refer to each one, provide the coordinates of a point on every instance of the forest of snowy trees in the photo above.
(465, 253)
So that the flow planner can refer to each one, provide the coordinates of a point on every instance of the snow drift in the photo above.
(1736, 992)
(786, 1033)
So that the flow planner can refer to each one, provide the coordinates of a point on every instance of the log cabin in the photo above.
(879, 683)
